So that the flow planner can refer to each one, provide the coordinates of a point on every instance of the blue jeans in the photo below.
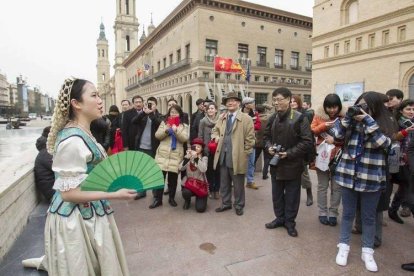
(369, 202)
(251, 166)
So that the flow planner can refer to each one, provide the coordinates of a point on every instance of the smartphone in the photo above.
(408, 123)
(149, 105)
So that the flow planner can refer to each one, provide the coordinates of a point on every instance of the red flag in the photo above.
(223, 64)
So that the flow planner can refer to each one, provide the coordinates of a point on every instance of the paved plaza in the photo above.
(173, 241)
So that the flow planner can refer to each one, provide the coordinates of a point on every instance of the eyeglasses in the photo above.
(279, 99)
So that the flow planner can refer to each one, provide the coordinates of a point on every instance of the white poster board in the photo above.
(349, 92)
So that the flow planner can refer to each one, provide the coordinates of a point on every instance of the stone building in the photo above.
(175, 59)
(4, 91)
(362, 46)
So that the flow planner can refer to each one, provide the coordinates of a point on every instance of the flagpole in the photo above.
(214, 76)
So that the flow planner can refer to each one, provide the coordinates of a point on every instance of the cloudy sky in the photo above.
(48, 40)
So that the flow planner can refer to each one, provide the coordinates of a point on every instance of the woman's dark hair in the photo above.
(153, 99)
(113, 108)
(376, 104)
(332, 100)
(212, 103)
(76, 94)
(404, 104)
(179, 110)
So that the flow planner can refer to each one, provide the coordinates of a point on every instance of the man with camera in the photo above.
(287, 138)
(235, 136)
(147, 123)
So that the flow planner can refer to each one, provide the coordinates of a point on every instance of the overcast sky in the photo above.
(48, 40)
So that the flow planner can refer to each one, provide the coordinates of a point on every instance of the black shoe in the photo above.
(265, 177)
(309, 200)
(223, 208)
(239, 212)
(274, 224)
(323, 220)
(292, 231)
(140, 195)
(172, 202)
(166, 192)
(394, 216)
(186, 205)
(155, 204)
(408, 267)
(332, 221)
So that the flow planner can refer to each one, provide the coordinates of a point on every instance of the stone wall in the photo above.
(16, 204)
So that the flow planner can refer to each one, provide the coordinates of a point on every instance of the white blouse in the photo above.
(69, 163)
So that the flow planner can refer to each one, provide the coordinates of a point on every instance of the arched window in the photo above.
(103, 77)
(349, 11)
(127, 6)
(127, 43)
(411, 87)
(103, 53)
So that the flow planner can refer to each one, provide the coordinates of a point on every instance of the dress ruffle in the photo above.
(66, 183)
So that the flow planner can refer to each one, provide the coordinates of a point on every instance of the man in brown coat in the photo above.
(234, 133)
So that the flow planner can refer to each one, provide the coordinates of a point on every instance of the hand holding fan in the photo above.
(129, 169)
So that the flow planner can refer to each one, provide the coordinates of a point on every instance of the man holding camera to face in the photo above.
(287, 138)
(147, 123)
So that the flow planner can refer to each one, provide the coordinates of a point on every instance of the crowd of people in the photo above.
(213, 156)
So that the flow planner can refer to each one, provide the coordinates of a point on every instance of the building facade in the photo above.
(4, 91)
(175, 60)
(362, 46)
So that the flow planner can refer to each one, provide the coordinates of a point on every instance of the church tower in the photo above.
(126, 41)
(102, 65)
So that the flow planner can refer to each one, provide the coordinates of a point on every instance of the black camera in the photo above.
(408, 123)
(275, 159)
(356, 109)
(193, 147)
(149, 105)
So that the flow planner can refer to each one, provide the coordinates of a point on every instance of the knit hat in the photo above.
(197, 141)
(247, 100)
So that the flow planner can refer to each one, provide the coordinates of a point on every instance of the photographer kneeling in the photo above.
(287, 138)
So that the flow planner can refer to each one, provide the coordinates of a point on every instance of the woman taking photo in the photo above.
(204, 132)
(172, 133)
(321, 126)
(195, 165)
(81, 236)
(361, 171)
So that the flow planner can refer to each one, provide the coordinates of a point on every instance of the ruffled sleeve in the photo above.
(70, 163)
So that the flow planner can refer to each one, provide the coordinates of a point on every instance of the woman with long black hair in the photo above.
(361, 171)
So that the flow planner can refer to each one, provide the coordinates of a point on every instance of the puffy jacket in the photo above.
(168, 159)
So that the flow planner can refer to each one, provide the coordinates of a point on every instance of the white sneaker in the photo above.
(368, 257)
(33, 263)
(342, 256)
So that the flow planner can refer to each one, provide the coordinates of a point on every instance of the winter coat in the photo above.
(100, 129)
(292, 132)
(242, 139)
(259, 134)
(196, 117)
(114, 118)
(168, 159)
(204, 132)
(319, 128)
(44, 176)
(128, 129)
(199, 165)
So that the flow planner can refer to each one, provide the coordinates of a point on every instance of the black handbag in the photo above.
(334, 162)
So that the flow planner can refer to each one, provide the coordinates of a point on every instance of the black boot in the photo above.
(393, 214)
(309, 200)
(187, 204)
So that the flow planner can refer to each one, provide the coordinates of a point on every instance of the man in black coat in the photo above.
(147, 123)
(196, 118)
(44, 176)
(290, 130)
(129, 130)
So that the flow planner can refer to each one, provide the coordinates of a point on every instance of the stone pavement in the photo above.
(173, 241)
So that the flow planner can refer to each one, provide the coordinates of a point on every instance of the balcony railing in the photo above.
(209, 58)
(262, 64)
(308, 68)
(295, 67)
(173, 67)
(243, 61)
(280, 66)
